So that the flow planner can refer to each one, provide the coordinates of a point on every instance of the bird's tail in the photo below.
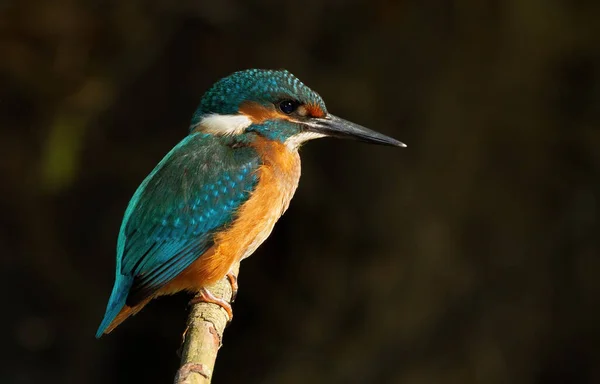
(116, 305)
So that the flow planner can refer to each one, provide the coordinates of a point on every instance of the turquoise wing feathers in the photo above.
(175, 213)
(192, 194)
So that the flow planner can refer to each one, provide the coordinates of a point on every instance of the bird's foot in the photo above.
(234, 285)
(204, 296)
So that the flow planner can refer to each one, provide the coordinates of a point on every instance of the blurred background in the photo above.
(472, 256)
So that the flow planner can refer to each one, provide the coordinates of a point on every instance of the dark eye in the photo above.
(288, 106)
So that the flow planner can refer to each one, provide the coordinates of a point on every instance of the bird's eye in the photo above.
(288, 106)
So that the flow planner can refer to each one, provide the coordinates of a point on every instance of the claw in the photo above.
(234, 285)
(204, 296)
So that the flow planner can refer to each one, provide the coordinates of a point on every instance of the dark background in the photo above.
(472, 256)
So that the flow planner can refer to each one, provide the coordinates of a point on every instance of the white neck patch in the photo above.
(294, 142)
(224, 125)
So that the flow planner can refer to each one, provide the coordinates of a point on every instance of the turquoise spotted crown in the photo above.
(263, 86)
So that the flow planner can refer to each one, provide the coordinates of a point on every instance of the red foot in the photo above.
(234, 285)
(204, 296)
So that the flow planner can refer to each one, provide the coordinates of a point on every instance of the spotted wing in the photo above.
(175, 213)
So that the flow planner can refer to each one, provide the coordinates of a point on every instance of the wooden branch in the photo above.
(203, 336)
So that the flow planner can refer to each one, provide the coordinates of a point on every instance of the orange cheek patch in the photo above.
(314, 110)
(259, 113)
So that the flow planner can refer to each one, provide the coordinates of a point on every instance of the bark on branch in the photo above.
(203, 336)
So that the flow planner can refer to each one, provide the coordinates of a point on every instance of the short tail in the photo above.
(116, 305)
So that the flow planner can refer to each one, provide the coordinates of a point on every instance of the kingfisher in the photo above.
(216, 196)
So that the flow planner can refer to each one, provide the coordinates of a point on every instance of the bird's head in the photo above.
(276, 105)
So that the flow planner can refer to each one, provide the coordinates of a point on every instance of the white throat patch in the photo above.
(297, 140)
(224, 125)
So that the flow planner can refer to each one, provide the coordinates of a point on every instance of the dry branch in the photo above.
(203, 336)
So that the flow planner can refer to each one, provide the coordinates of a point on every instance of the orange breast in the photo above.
(278, 178)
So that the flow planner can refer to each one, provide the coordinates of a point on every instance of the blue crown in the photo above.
(262, 86)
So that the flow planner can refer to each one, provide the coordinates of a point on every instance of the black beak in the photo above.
(334, 126)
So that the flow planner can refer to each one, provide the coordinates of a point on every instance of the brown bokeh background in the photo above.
(472, 256)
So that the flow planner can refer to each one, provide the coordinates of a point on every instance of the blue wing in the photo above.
(193, 193)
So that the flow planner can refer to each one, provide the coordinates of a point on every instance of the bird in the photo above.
(216, 196)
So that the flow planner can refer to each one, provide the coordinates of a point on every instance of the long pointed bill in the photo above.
(334, 126)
